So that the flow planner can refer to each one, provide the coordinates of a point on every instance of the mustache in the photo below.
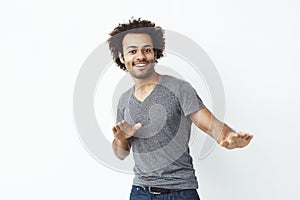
(143, 61)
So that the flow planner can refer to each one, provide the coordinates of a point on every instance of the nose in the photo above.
(141, 55)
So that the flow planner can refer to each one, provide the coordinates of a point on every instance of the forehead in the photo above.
(137, 40)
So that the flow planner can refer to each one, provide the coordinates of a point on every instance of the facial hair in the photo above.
(148, 71)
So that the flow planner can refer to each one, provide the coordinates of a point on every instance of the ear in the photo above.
(155, 54)
(121, 57)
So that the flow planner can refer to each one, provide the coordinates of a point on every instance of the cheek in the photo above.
(152, 57)
(127, 59)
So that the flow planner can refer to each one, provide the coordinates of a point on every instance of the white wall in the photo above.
(254, 45)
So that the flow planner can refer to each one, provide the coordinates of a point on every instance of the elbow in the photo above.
(120, 153)
(121, 156)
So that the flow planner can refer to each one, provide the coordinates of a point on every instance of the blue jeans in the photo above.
(139, 193)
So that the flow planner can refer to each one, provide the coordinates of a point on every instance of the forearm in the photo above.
(208, 123)
(219, 130)
(121, 148)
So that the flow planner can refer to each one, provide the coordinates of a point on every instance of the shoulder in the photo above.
(173, 79)
(174, 83)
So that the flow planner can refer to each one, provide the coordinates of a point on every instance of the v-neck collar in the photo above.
(151, 93)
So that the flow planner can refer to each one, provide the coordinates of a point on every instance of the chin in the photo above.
(141, 76)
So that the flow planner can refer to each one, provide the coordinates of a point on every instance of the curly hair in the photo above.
(136, 26)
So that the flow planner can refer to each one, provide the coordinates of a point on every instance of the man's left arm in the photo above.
(221, 132)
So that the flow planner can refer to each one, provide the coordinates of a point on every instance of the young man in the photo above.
(154, 117)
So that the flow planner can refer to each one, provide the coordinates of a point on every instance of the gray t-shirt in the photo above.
(160, 148)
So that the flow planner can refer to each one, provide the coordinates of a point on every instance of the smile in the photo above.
(140, 64)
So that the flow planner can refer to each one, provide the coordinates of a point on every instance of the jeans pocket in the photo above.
(138, 193)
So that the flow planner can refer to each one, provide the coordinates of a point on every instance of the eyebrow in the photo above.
(137, 46)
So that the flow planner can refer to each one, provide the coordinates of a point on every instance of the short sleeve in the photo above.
(120, 112)
(188, 98)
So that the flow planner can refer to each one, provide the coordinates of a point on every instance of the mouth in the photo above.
(141, 66)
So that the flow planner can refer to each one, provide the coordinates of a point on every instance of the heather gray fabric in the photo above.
(160, 148)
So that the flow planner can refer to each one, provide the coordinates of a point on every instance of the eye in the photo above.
(148, 50)
(132, 51)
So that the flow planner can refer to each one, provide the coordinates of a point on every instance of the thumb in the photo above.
(137, 126)
(224, 143)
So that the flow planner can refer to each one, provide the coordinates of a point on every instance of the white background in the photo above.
(254, 45)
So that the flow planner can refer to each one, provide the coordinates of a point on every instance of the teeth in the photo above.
(140, 65)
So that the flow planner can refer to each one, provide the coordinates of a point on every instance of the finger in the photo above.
(114, 129)
(232, 143)
(122, 124)
(115, 132)
(118, 127)
(137, 126)
(235, 135)
(242, 134)
(224, 143)
(122, 127)
(125, 123)
(249, 137)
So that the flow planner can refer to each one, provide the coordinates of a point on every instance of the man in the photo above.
(154, 117)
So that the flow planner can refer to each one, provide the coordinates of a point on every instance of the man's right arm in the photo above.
(122, 131)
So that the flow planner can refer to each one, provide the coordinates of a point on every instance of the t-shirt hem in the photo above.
(177, 186)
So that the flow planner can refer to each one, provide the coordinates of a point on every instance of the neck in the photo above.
(146, 82)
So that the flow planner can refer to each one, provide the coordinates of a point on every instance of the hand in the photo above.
(123, 130)
(236, 140)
